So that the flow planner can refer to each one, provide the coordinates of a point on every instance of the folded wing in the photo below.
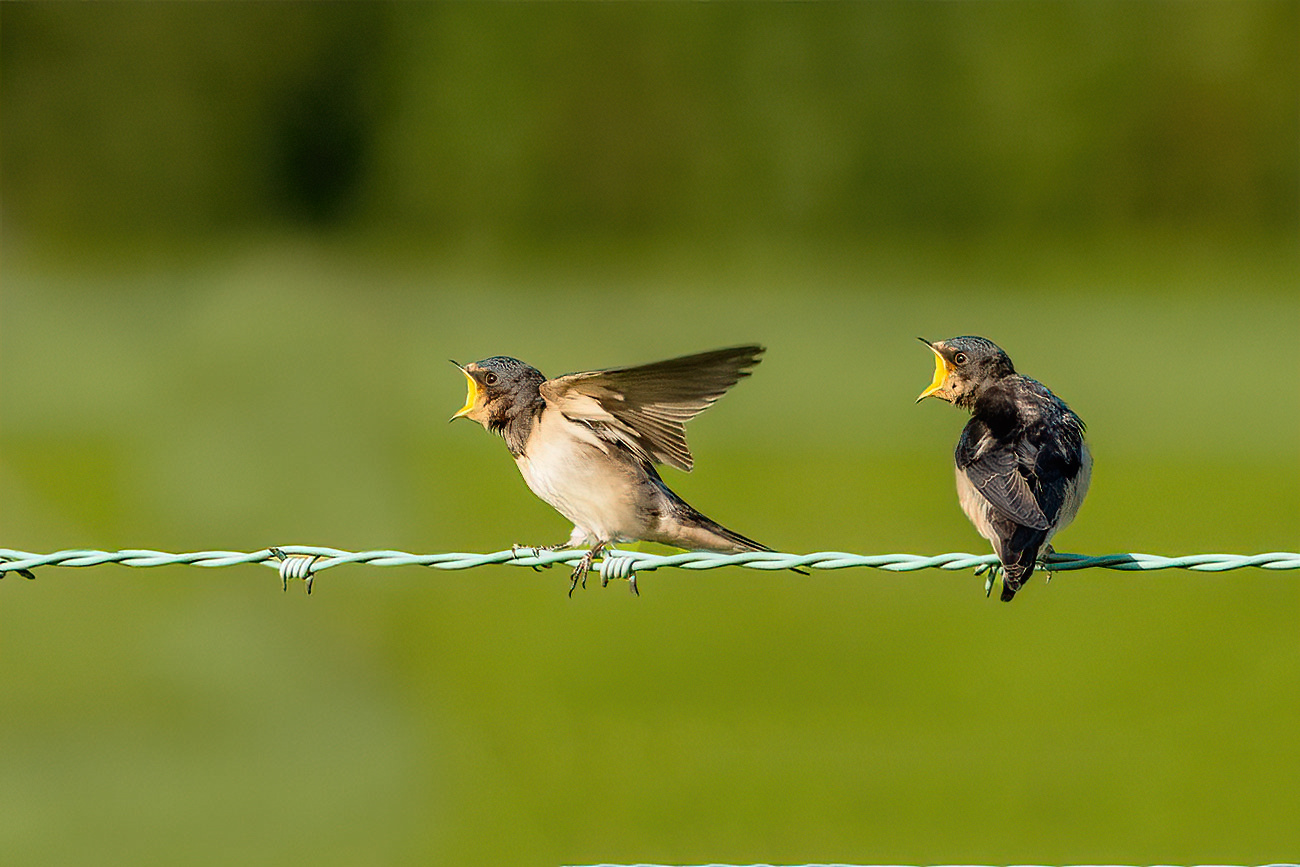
(994, 469)
(646, 408)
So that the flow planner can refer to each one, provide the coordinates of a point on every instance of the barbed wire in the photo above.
(303, 562)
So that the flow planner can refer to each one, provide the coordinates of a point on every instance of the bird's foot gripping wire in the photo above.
(584, 566)
(1047, 552)
(535, 550)
(993, 571)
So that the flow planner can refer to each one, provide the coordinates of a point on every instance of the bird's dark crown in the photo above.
(507, 371)
(976, 357)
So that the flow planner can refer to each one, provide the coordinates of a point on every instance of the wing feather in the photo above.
(994, 469)
(646, 407)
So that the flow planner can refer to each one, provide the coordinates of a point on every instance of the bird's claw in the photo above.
(516, 548)
(584, 566)
(579, 574)
(993, 573)
(536, 550)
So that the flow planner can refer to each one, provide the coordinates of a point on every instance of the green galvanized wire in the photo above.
(304, 561)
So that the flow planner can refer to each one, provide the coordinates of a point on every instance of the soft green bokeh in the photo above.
(240, 366)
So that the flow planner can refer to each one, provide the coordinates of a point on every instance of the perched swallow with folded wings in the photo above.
(1022, 465)
(588, 443)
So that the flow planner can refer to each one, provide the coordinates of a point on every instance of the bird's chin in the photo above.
(473, 415)
(943, 396)
(939, 390)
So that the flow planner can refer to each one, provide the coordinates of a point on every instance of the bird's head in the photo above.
(497, 388)
(964, 367)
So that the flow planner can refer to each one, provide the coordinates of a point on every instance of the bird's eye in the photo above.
(490, 379)
(959, 358)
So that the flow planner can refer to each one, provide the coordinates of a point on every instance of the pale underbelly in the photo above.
(594, 491)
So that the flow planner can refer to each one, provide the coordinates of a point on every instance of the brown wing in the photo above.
(646, 408)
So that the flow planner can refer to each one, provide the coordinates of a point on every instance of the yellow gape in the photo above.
(471, 397)
(941, 370)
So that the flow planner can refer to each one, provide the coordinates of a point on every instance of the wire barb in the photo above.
(615, 567)
(294, 566)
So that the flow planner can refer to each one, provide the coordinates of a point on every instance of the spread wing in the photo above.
(646, 408)
(993, 467)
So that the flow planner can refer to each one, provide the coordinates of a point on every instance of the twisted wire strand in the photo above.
(304, 561)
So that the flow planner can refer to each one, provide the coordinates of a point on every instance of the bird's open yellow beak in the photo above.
(471, 397)
(941, 370)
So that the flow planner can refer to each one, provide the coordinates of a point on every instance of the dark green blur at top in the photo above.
(535, 123)
(239, 242)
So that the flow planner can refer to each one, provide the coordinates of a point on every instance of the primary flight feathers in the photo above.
(647, 407)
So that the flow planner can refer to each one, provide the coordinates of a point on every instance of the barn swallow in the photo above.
(1022, 464)
(587, 444)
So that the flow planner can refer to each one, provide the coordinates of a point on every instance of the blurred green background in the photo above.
(240, 242)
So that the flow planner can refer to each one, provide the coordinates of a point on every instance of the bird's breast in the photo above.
(590, 482)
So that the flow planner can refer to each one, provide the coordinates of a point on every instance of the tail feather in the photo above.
(700, 532)
(1019, 554)
(684, 526)
(697, 530)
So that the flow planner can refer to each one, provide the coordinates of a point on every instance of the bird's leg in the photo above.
(537, 549)
(584, 566)
(993, 573)
(1042, 563)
